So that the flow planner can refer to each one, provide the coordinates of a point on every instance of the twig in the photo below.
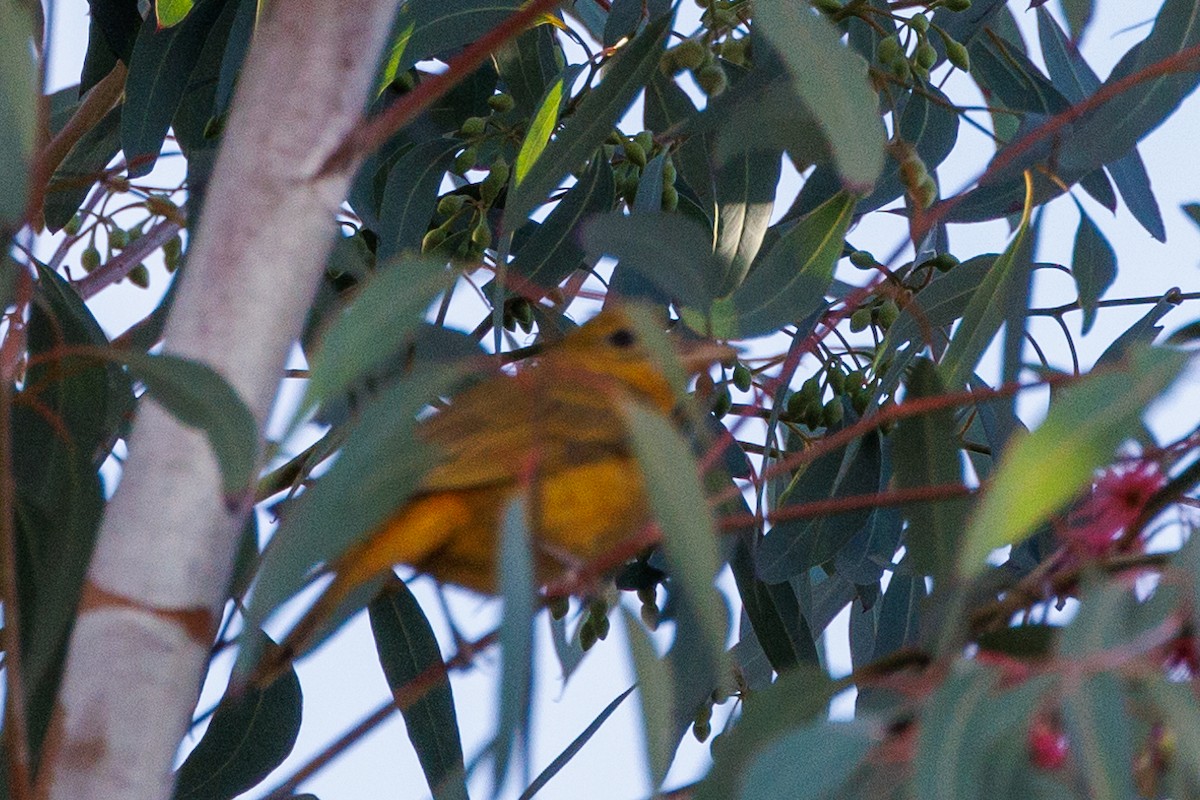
(96, 103)
(119, 266)
(402, 698)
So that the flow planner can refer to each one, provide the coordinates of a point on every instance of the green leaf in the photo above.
(428, 28)
(689, 534)
(831, 82)
(657, 694)
(1093, 265)
(249, 736)
(1178, 706)
(553, 251)
(159, 71)
(1140, 334)
(91, 402)
(808, 762)
(383, 317)
(518, 585)
(18, 109)
(627, 282)
(1101, 739)
(541, 127)
(1075, 78)
(792, 278)
(590, 124)
(58, 501)
(960, 723)
(564, 758)
(198, 396)
(379, 467)
(745, 187)
(794, 546)
(941, 302)
(985, 313)
(407, 650)
(1111, 130)
(171, 12)
(794, 700)
(927, 454)
(1040, 473)
(667, 105)
(774, 614)
(669, 250)
(410, 195)
(528, 66)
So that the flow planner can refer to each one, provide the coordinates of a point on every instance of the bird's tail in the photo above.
(421, 528)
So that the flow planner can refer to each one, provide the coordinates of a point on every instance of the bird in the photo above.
(554, 431)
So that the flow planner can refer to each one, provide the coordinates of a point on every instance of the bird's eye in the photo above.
(622, 338)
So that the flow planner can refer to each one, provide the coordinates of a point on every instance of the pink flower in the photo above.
(1117, 499)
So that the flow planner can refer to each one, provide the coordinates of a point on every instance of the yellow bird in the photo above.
(555, 431)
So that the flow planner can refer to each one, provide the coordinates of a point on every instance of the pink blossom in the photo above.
(1118, 496)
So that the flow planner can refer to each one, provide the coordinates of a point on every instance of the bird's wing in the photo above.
(496, 430)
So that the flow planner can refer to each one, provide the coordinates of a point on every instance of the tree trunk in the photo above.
(163, 561)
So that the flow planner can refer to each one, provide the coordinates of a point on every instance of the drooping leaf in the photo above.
(669, 250)
(809, 762)
(159, 71)
(830, 81)
(591, 123)
(1040, 473)
(80, 169)
(1094, 267)
(795, 700)
(528, 66)
(774, 614)
(986, 311)
(541, 128)
(1077, 81)
(378, 468)
(745, 195)
(407, 651)
(564, 758)
(792, 278)
(656, 691)
(553, 251)
(1101, 738)
(794, 546)
(927, 454)
(959, 724)
(429, 28)
(383, 317)
(250, 734)
(689, 538)
(627, 282)
(1112, 129)
(18, 109)
(410, 195)
(171, 12)
(518, 586)
(198, 396)
(1140, 334)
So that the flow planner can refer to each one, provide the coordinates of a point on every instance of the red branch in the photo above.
(1005, 158)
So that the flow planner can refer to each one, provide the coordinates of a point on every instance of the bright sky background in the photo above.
(343, 681)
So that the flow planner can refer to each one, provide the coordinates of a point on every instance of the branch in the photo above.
(164, 555)
(96, 103)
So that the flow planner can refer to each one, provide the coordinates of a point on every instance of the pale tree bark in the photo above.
(163, 560)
